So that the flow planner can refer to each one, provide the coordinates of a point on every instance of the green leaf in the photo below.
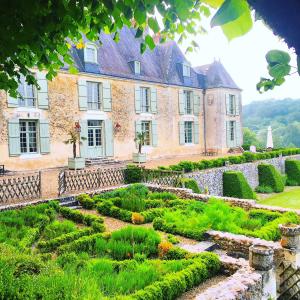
(153, 25)
(274, 57)
(142, 48)
(213, 3)
(149, 41)
(73, 70)
(279, 70)
(139, 33)
(298, 64)
(229, 11)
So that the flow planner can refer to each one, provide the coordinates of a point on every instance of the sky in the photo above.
(244, 59)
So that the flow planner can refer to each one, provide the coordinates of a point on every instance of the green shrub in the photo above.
(133, 174)
(162, 196)
(292, 170)
(264, 189)
(133, 203)
(235, 185)
(152, 213)
(108, 209)
(189, 183)
(58, 228)
(172, 239)
(268, 176)
(187, 166)
(86, 201)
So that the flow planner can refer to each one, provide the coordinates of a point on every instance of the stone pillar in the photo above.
(261, 259)
(49, 183)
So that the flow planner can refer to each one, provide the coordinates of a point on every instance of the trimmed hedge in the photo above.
(189, 183)
(133, 174)
(268, 176)
(292, 170)
(86, 201)
(235, 185)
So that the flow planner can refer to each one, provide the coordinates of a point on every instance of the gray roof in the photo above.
(162, 65)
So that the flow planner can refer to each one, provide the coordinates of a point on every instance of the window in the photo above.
(90, 53)
(28, 136)
(146, 127)
(232, 105)
(188, 105)
(137, 67)
(186, 70)
(94, 133)
(232, 130)
(145, 100)
(27, 92)
(188, 132)
(93, 95)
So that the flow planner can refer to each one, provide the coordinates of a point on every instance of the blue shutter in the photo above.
(154, 133)
(181, 133)
(84, 141)
(106, 95)
(14, 137)
(230, 143)
(196, 103)
(181, 102)
(196, 132)
(42, 93)
(138, 127)
(82, 94)
(109, 138)
(239, 134)
(237, 104)
(137, 95)
(44, 137)
(11, 101)
(153, 100)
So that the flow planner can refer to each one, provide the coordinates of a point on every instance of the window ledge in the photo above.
(30, 155)
(189, 144)
(27, 109)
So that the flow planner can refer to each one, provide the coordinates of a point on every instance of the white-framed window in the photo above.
(232, 105)
(27, 93)
(90, 53)
(146, 128)
(95, 133)
(188, 102)
(93, 95)
(188, 132)
(231, 130)
(28, 136)
(145, 99)
(137, 67)
(186, 70)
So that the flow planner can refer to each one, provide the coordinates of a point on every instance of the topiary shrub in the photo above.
(86, 201)
(292, 170)
(133, 174)
(235, 185)
(269, 177)
(189, 183)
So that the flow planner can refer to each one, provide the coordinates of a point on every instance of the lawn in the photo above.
(289, 199)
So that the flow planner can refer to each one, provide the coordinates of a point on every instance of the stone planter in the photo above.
(261, 257)
(290, 236)
(139, 157)
(76, 163)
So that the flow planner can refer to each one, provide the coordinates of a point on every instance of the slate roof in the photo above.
(162, 65)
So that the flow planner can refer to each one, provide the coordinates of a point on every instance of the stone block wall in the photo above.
(213, 178)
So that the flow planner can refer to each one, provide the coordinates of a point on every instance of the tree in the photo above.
(39, 33)
(250, 138)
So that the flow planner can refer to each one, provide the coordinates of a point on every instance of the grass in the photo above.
(288, 199)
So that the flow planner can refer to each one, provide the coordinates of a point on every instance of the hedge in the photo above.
(189, 183)
(235, 185)
(268, 176)
(292, 170)
(133, 174)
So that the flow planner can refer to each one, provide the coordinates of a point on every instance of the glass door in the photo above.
(95, 139)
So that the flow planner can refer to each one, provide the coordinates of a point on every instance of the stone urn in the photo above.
(139, 157)
(261, 257)
(76, 163)
(290, 236)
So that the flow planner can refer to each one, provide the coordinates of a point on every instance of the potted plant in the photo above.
(75, 162)
(140, 140)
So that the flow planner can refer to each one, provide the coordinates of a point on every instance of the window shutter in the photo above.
(14, 137)
(181, 102)
(138, 127)
(196, 132)
(181, 133)
(12, 102)
(109, 138)
(83, 142)
(44, 137)
(154, 133)
(239, 134)
(230, 143)
(42, 93)
(227, 104)
(106, 92)
(196, 103)
(237, 104)
(137, 99)
(82, 94)
(153, 100)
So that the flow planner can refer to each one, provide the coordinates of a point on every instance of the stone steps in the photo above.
(200, 247)
(101, 161)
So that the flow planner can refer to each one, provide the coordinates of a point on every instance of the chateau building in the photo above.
(117, 93)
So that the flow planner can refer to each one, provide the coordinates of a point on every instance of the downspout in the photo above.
(204, 120)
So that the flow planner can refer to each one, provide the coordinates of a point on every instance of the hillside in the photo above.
(282, 115)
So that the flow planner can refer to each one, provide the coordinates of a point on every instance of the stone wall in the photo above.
(213, 178)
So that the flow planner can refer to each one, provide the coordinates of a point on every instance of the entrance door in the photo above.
(95, 139)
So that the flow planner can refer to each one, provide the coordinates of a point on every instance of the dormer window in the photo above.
(90, 53)
(186, 70)
(137, 67)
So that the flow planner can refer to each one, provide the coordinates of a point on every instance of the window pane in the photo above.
(98, 137)
(232, 133)
(188, 102)
(28, 136)
(145, 99)
(146, 129)
(188, 132)
(90, 137)
(93, 97)
(90, 54)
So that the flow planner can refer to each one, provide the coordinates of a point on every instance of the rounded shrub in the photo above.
(133, 174)
(292, 170)
(190, 183)
(269, 177)
(235, 185)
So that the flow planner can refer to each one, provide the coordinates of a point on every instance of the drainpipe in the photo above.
(204, 120)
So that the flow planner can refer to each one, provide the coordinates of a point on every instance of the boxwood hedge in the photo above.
(292, 169)
(269, 177)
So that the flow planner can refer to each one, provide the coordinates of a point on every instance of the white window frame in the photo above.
(27, 132)
(149, 143)
(137, 67)
(188, 95)
(145, 107)
(92, 134)
(100, 101)
(185, 132)
(232, 105)
(186, 70)
(26, 98)
(90, 46)
(232, 131)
